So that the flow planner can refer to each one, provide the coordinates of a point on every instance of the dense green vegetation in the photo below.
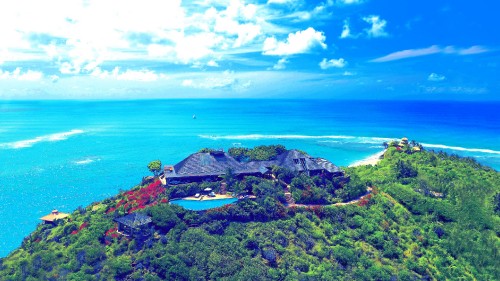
(258, 153)
(431, 216)
(154, 167)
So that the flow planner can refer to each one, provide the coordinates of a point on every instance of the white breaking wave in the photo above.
(259, 137)
(84, 162)
(343, 139)
(46, 138)
(458, 148)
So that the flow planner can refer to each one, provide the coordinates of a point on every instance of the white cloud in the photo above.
(377, 28)
(80, 35)
(212, 63)
(226, 80)
(473, 50)
(54, 78)
(456, 90)
(297, 43)
(280, 1)
(346, 31)
(127, 75)
(18, 74)
(281, 64)
(434, 49)
(337, 63)
(436, 77)
(187, 83)
(349, 2)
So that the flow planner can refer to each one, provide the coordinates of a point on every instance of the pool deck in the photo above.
(206, 197)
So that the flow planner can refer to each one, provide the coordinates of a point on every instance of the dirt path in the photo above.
(368, 192)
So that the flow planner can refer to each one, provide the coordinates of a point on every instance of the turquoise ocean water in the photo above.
(63, 154)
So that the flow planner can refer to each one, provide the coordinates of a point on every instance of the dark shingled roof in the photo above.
(327, 165)
(216, 164)
(134, 220)
(205, 164)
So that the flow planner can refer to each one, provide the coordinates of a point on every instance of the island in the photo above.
(413, 214)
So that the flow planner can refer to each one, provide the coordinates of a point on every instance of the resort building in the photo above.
(134, 225)
(53, 217)
(211, 165)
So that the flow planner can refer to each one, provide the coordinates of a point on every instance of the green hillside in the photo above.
(430, 216)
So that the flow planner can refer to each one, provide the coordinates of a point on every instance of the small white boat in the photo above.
(194, 116)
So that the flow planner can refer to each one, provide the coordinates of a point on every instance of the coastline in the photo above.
(370, 160)
(206, 197)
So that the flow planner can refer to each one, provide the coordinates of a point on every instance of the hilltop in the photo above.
(429, 216)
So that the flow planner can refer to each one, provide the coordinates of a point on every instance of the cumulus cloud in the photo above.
(297, 43)
(79, 36)
(281, 64)
(18, 74)
(434, 49)
(436, 77)
(377, 28)
(337, 63)
(346, 30)
(212, 63)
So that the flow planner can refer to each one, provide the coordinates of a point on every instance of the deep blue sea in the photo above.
(63, 154)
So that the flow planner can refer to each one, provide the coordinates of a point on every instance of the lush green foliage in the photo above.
(206, 150)
(154, 167)
(258, 153)
(431, 216)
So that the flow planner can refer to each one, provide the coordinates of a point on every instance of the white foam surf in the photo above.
(343, 139)
(458, 148)
(46, 138)
(259, 137)
(84, 162)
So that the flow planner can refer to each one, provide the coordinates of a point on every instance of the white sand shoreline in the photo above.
(370, 160)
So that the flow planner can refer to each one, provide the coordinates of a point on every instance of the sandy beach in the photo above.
(206, 197)
(370, 160)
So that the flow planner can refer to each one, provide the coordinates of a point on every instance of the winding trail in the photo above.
(368, 192)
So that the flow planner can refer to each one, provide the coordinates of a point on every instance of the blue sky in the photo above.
(343, 49)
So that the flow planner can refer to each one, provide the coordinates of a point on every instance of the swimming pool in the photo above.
(197, 205)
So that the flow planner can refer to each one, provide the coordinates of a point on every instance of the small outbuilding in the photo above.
(134, 225)
(53, 217)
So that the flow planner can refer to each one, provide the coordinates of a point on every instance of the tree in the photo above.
(154, 167)
(230, 178)
(496, 203)
(404, 169)
(239, 153)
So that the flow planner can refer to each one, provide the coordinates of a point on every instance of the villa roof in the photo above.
(55, 215)
(134, 220)
(216, 164)
(327, 165)
(205, 164)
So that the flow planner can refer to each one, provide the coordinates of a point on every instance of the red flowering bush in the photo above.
(364, 200)
(84, 225)
(139, 199)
